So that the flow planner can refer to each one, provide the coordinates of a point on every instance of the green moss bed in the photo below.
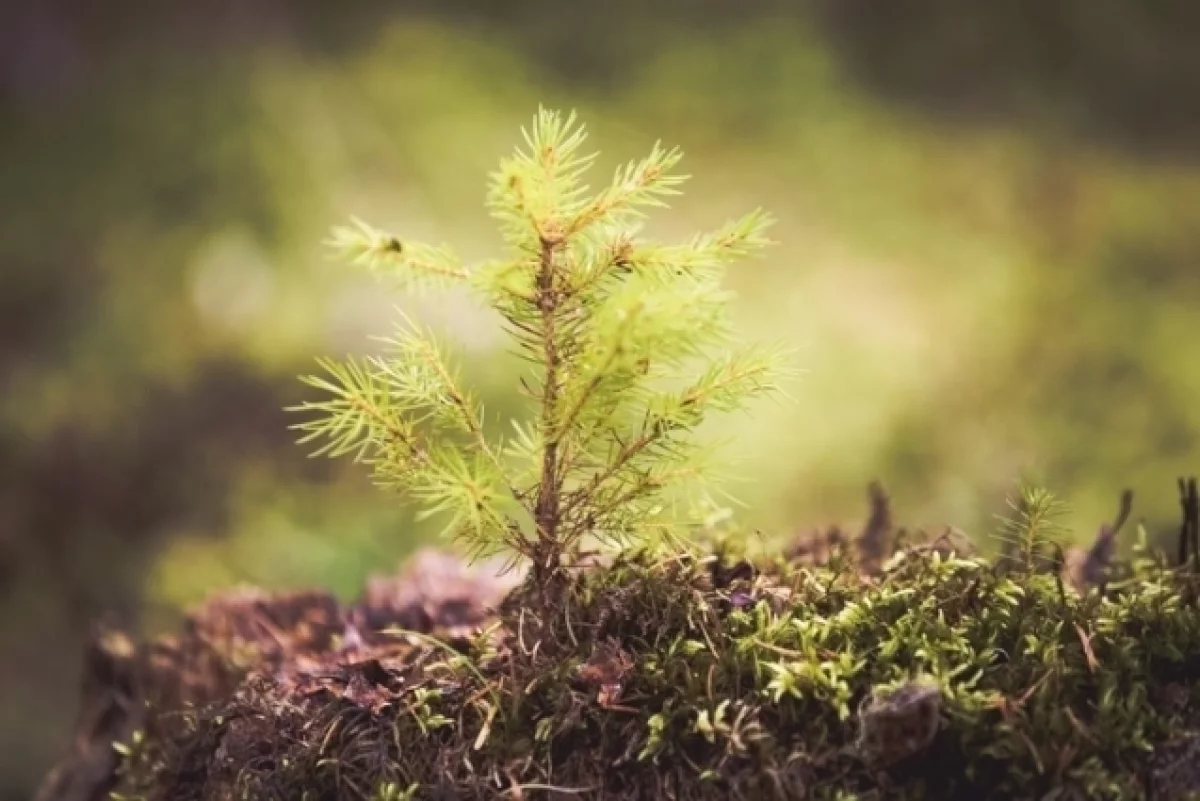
(884, 665)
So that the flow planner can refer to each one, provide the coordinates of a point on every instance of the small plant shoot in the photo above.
(629, 344)
(1035, 526)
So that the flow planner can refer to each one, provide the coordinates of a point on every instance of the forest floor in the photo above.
(876, 664)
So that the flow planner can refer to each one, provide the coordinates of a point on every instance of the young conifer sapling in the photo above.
(630, 348)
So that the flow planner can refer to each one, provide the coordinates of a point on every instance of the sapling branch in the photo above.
(471, 420)
(379, 251)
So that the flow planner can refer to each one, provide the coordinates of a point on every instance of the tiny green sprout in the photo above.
(1035, 524)
(783, 682)
(544, 730)
(128, 750)
(422, 710)
(392, 791)
(630, 347)
(656, 726)
(708, 725)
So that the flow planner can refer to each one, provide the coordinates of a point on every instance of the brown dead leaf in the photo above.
(436, 590)
(606, 670)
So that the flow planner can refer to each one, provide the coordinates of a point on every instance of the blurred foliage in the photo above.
(1126, 73)
(990, 238)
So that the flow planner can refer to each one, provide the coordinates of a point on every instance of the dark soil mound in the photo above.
(162, 694)
(883, 665)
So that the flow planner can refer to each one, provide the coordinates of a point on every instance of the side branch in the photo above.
(628, 451)
(472, 423)
(378, 250)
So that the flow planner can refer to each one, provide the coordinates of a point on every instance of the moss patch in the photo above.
(927, 674)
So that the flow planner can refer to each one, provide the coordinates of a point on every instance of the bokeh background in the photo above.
(989, 262)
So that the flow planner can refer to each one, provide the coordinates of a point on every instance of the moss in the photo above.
(702, 675)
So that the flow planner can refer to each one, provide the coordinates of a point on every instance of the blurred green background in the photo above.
(989, 260)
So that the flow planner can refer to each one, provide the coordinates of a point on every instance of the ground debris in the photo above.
(370, 684)
(606, 671)
(436, 590)
(899, 724)
(110, 709)
(868, 550)
(293, 647)
(1090, 567)
(891, 672)
(1176, 771)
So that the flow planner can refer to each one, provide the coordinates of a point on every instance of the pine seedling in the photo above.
(1035, 525)
(629, 346)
